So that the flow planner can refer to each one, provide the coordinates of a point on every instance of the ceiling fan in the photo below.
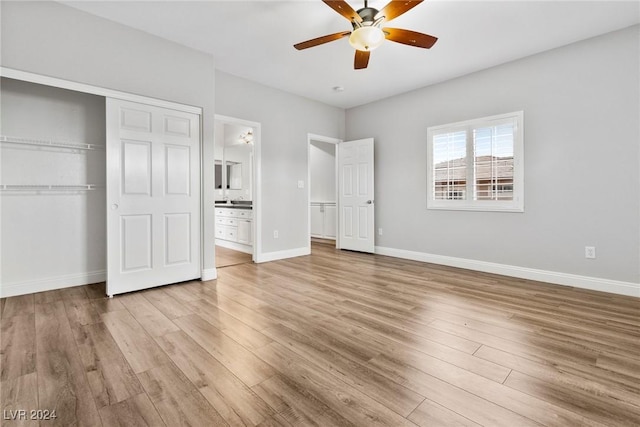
(368, 33)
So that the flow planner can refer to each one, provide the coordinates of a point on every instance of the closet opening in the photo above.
(323, 190)
(53, 162)
(74, 159)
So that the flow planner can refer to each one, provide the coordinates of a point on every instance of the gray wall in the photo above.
(55, 40)
(582, 185)
(285, 120)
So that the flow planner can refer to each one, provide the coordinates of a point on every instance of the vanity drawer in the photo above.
(236, 213)
(225, 212)
(231, 233)
(244, 213)
(227, 221)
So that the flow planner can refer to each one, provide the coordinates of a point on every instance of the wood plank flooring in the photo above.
(332, 339)
(226, 257)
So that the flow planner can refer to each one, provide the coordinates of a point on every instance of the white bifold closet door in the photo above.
(153, 196)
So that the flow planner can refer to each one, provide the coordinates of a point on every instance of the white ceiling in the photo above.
(254, 39)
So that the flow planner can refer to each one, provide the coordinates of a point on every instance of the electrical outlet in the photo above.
(379, 231)
(590, 252)
(275, 234)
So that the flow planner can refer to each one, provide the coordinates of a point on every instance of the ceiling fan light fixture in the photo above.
(366, 38)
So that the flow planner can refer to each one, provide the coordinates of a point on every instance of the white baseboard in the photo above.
(585, 282)
(289, 253)
(51, 283)
(209, 274)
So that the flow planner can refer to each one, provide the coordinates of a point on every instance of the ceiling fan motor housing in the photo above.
(368, 17)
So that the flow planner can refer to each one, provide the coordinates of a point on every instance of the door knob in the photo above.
(369, 202)
(114, 207)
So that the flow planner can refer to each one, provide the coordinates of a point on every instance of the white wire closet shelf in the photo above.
(50, 143)
(46, 187)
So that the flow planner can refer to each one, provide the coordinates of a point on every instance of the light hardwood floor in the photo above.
(332, 339)
(226, 257)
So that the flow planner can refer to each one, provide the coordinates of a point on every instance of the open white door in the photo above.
(355, 195)
(153, 196)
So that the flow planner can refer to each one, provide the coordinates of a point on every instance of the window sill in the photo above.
(515, 209)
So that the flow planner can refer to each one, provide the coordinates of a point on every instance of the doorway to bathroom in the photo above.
(236, 191)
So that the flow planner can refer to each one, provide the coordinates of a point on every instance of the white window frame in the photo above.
(515, 205)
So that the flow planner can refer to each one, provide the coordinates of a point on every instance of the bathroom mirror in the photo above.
(234, 175)
(232, 178)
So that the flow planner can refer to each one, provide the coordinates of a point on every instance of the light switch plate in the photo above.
(300, 184)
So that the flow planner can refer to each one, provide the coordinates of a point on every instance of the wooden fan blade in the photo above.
(343, 8)
(396, 8)
(321, 40)
(361, 60)
(408, 37)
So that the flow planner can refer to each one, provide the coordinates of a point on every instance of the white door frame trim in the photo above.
(256, 190)
(313, 137)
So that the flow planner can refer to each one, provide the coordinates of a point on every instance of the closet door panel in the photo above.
(153, 158)
(135, 120)
(136, 242)
(178, 170)
(178, 238)
(178, 126)
(136, 168)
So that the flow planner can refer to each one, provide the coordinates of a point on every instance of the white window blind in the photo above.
(493, 162)
(477, 165)
(450, 152)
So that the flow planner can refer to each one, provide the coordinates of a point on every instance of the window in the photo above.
(477, 165)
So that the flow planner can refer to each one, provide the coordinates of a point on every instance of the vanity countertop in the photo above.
(234, 205)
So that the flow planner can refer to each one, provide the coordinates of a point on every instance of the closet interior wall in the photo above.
(52, 188)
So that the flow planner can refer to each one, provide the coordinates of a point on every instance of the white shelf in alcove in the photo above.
(49, 143)
(45, 187)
